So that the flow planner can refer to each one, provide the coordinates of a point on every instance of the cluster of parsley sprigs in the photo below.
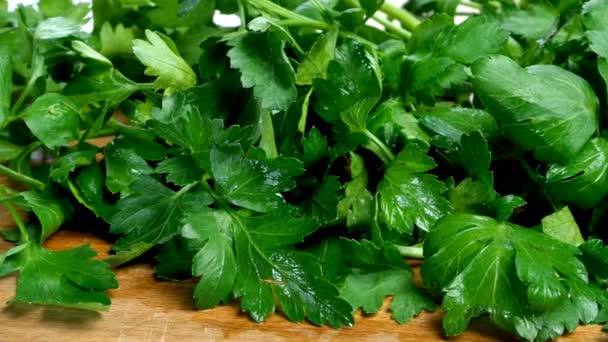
(294, 161)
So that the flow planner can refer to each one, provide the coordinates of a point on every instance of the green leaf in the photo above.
(162, 60)
(475, 157)
(175, 258)
(562, 226)
(391, 118)
(531, 23)
(52, 212)
(152, 213)
(66, 278)
(471, 196)
(123, 165)
(83, 155)
(379, 272)
(535, 105)
(88, 189)
(318, 58)
(57, 27)
(430, 78)
(109, 87)
(248, 183)
(265, 266)
(9, 151)
(90, 53)
(371, 6)
(126, 255)
(595, 257)
(594, 19)
(324, 203)
(407, 196)
(584, 179)
(54, 119)
(477, 37)
(506, 205)
(352, 88)
(315, 148)
(6, 87)
(265, 68)
(449, 124)
(528, 282)
(358, 203)
(180, 170)
(215, 261)
(115, 41)
(602, 67)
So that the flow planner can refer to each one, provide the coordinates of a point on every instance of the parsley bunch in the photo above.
(292, 162)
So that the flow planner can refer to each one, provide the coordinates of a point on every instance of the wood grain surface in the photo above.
(144, 309)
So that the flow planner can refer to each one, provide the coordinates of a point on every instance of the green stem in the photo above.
(185, 189)
(407, 19)
(415, 251)
(21, 178)
(271, 7)
(304, 111)
(115, 127)
(242, 15)
(393, 28)
(386, 23)
(25, 236)
(387, 154)
(471, 4)
(303, 23)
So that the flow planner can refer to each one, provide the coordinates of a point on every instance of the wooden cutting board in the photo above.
(144, 309)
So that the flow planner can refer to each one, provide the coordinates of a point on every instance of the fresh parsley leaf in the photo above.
(180, 170)
(54, 119)
(535, 107)
(379, 272)
(594, 12)
(152, 213)
(409, 197)
(476, 261)
(123, 165)
(449, 124)
(248, 183)
(66, 278)
(358, 203)
(595, 257)
(51, 212)
(256, 262)
(352, 87)
(116, 40)
(264, 67)
(584, 179)
(159, 54)
(320, 55)
(84, 155)
(562, 226)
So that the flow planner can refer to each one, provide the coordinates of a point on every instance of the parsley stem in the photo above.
(384, 22)
(414, 251)
(25, 236)
(393, 28)
(185, 189)
(21, 178)
(471, 4)
(407, 19)
(387, 155)
(242, 15)
(287, 14)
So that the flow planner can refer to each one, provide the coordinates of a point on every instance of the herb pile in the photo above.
(293, 162)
